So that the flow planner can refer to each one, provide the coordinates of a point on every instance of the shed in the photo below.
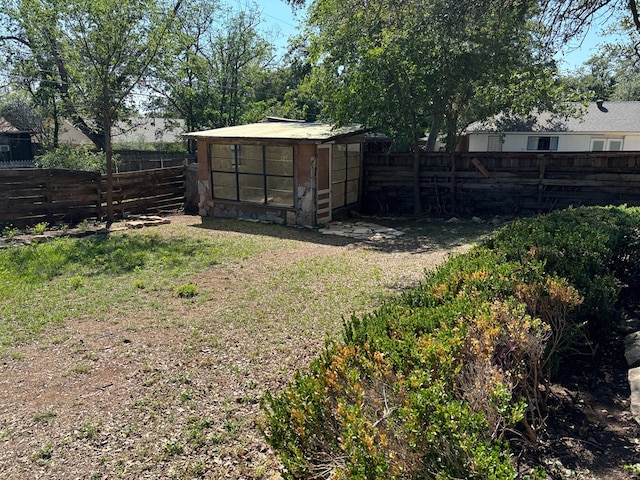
(281, 171)
(16, 149)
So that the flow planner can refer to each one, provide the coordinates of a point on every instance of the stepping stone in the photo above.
(634, 384)
(361, 231)
(135, 224)
(632, 349)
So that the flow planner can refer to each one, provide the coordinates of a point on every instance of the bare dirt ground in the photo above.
(591, 433)
(174, 392)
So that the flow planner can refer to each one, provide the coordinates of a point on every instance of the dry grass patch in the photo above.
(109, 373)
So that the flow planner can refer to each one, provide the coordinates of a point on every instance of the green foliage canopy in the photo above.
(222, 70)
(90, 54)
(612, 74)
(407, 67)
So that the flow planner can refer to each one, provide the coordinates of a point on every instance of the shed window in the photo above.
(253, 173)
(542, 143)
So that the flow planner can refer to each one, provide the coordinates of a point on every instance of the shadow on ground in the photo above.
(421, 234)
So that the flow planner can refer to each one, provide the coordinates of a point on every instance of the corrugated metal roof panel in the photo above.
(286, 131)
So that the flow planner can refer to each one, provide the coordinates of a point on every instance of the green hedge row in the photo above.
(431, 384)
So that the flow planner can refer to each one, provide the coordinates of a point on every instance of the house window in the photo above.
(542, 143)
(345, 174)
(606, 144)
(253, 173)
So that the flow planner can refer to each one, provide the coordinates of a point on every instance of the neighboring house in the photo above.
(135, 133)
(282, 171)
(68, 134)
(16, 148)
(604, 126)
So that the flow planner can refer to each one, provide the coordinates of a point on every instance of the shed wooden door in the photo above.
(345, 175)
(323, 212)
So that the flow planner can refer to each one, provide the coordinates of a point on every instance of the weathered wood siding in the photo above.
(501, 183)
(29, 196)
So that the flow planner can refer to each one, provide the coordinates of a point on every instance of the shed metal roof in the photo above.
(283, 131)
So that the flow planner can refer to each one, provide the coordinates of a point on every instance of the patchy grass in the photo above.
(131, 379)
(45, 416)
(52, 282)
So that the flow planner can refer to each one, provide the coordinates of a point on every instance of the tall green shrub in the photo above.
(581, 245)
(72, 158)
(429, 384)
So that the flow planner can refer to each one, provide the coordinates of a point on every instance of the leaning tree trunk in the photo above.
(108, 149)
(56, 125)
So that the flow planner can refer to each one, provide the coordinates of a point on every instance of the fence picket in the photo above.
(517, 182)
(29, 196)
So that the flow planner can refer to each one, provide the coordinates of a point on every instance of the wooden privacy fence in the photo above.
(500, 183)
(146, 191)
(29, 196)
(131, 160)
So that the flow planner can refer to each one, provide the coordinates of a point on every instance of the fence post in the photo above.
(185, 166)
(543, 166)
(98, 180)
(453, 182)
(48, 197)
(417, 191)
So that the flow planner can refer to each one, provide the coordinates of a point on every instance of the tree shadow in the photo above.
(590, 427)
(420, 234)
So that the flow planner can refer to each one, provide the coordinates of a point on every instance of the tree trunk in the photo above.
(452, 122)
(453, 182)
(433, 133)
(452, 133)
(56, 125)
(98, 139)
(108, 149)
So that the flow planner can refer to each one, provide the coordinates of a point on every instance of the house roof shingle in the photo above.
(7, 127)
(608, 117)
(597, 117)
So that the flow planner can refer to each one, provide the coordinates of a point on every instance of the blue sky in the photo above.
(581, 49)
(280, 20)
